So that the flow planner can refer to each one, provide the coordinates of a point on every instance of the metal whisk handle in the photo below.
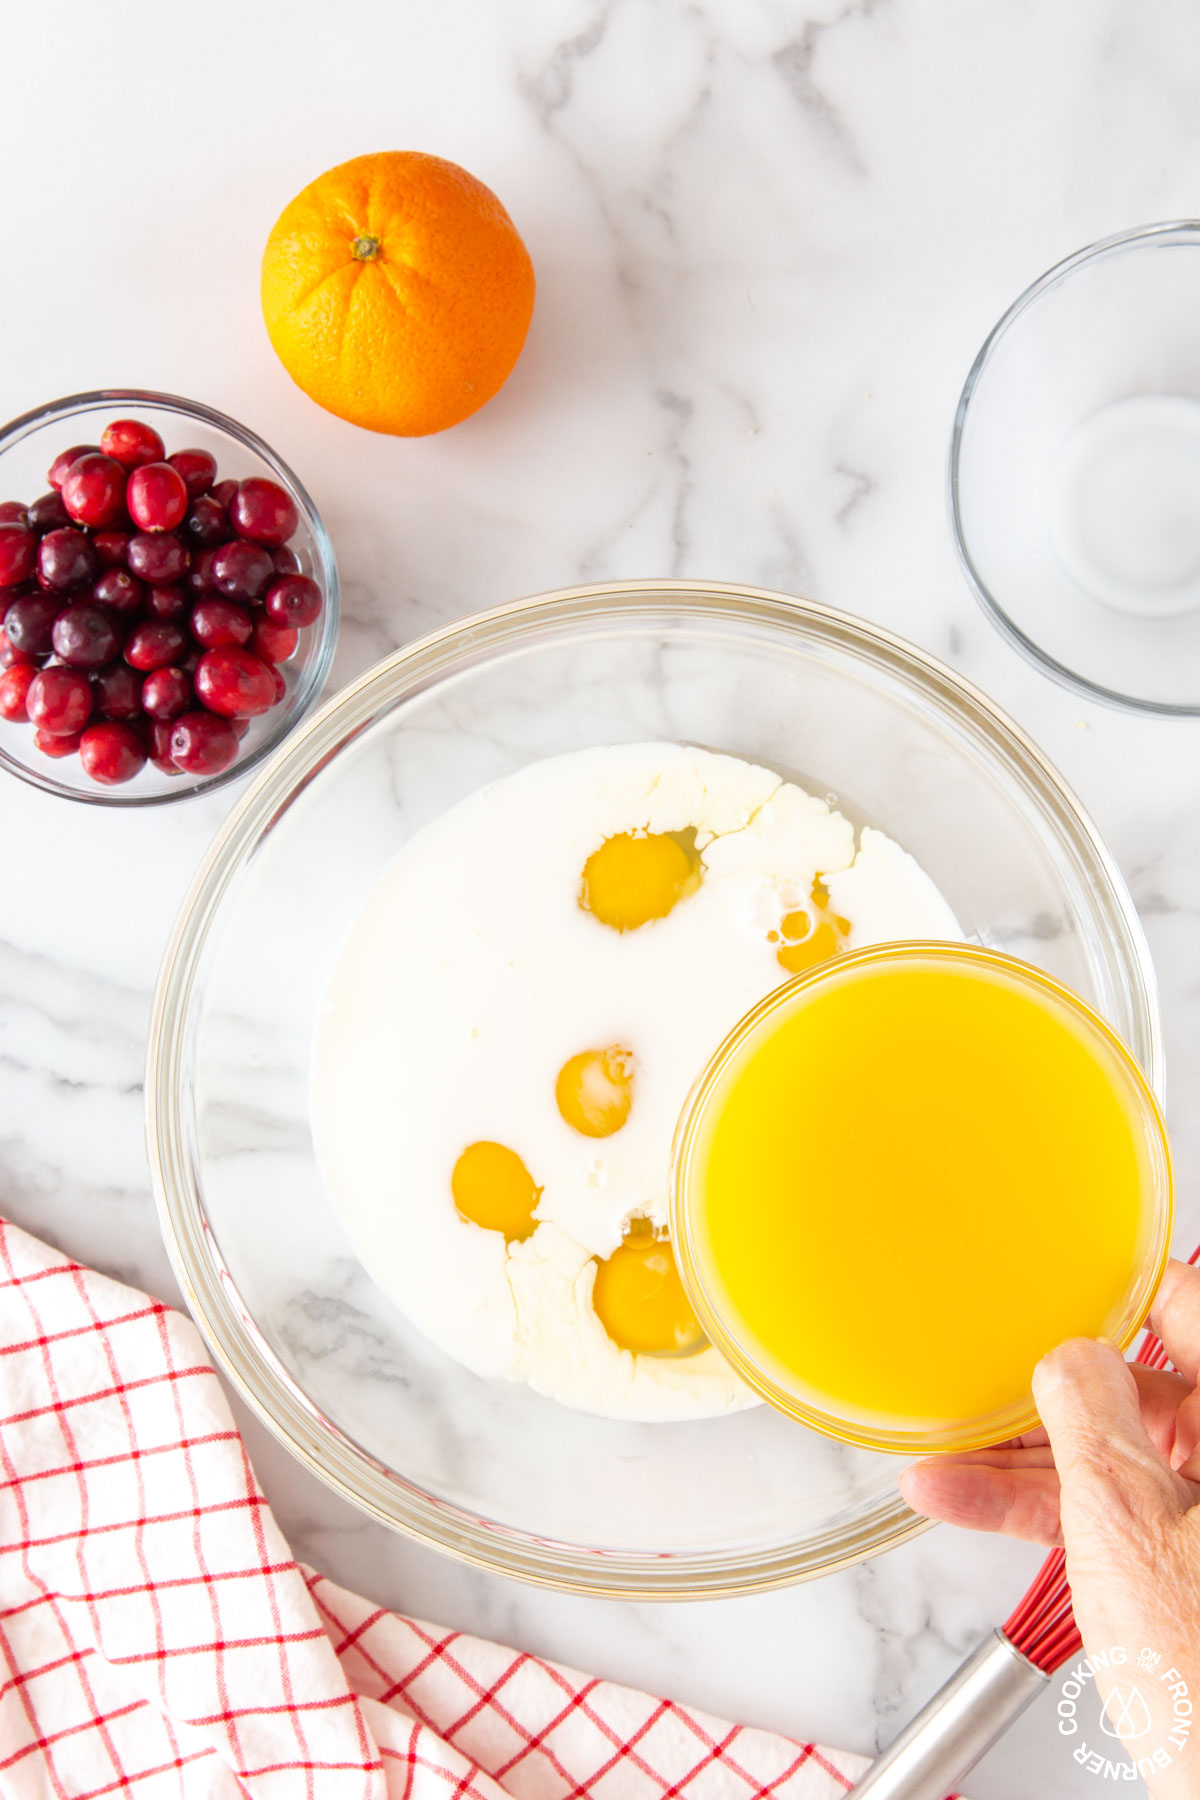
(964, 1718)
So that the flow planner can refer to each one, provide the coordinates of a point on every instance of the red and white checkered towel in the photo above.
(157, 1635)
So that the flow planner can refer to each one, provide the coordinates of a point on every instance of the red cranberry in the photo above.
(223, 493)
(132, 443)
(48, 513)
(66, 559)
(29, 622)
(166, 693)
(84, 636)
(57, 472)
(119, 591)
(158, 556)
(165, 600)
(274, 643)
(59, 700)
(200, 577)
(293, 600)
(159, 740)
(93, 490)
(18, 553)
(156, 497)
(14, 689)
(110, 548)
(56, 743)
(234, 683)
(198, 468)
(240, 571)
(207, 522)
(261, 511)
(112, 752)
(118, 691)
(202, 744)
(217, 623)
(9, 654)
(153, 644)
(286, 561)
(12, 512)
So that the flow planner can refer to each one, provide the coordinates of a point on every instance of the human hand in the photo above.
(1114, 1475)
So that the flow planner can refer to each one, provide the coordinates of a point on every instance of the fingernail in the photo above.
(1047, 1367)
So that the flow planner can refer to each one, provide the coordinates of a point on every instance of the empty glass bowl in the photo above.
(490, 1471)
(27, 448)
(1075, 471)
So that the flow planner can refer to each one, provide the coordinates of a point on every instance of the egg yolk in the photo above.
(810, 936)
(493, 1188)
(594, 1090)
(638, 876)
(639, 1298)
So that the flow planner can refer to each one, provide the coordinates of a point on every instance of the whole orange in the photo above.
(397, 292)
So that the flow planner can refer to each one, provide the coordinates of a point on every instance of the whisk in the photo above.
(995, 1684)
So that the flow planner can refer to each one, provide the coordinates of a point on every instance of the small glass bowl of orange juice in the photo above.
(904, 1177)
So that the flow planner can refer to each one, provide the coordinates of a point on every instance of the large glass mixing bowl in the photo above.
(489, 1471)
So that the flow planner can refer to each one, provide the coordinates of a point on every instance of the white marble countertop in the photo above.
(769, 240)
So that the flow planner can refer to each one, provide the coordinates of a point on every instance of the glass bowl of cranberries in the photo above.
(168, 598)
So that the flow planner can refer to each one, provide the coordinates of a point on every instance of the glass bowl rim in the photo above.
(1188, 233)
(68, 406)
(974, 1434)
(211, 1294)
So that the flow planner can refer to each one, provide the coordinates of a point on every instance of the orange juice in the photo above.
(906, 1177)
